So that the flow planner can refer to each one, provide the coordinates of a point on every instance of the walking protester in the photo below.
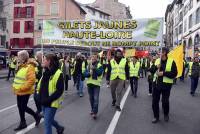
(151, 71)
(194, 70)
(23, 87)
(50, 89)
(134, 68)
(79, 69)
(66, 69)
(94, 74)
(38, 71)
(12, 66)
(163, 81)
(73, 69)
(118, 70)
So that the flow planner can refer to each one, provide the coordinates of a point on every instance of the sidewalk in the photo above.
(3, 73)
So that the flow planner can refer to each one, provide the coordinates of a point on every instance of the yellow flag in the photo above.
(129, 53)
(177, 56)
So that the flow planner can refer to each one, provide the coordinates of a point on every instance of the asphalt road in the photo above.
(135, 117)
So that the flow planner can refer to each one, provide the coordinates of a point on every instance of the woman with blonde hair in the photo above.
(23, 87)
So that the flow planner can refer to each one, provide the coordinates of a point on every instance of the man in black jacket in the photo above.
(163, 82)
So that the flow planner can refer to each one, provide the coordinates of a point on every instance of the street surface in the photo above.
(135, 117)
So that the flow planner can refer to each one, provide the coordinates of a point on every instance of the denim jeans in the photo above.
(49, 114)
(94, 98)
(79, 84)
(194, 84)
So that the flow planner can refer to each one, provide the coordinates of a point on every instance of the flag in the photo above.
(101, 54)
(177, 55)
(129, 53)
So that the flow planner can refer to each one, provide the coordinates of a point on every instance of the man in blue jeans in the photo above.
(194, 70)
(80, 67)
(94, 74)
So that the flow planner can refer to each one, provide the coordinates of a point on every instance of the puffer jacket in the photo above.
(28, 87)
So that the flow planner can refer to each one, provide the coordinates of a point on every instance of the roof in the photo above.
(82, 10)
(87, 6)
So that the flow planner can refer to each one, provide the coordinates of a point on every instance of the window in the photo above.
(101, 15)
(93, 12)
(28, 42)
(1, 6)
(185, 25)
(190, 43)
(198, 16)
(14, 42)
(41, 9)
(17, 12)
(16, 27)
(28, 1)
(28, 26)
(190, 21)
(29, 12)
(40, 24)
(3, 24)
(54, 7)
(191, 4)
(181, 29)
(197, 40)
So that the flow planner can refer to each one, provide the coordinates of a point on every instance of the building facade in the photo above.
(183, 25)
(22, 27)
(94, 14)
(116, 9)
(55, 10)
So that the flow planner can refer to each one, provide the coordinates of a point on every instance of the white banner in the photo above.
(112, 33)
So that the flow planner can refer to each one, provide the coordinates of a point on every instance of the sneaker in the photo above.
(80, 95)
(149, 94)
(21, 126)
(108, 86)
(60, 130)
(155, 120)
(118, 108)
(91, 113)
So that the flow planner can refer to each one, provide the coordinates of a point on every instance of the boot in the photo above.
(21, 126)
(37, 120)
(60, 130)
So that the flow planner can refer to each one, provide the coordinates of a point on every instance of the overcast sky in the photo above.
(143, 8)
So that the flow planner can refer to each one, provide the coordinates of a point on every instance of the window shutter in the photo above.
(16, 27)
(17, 2)
(31, 26)
(31, 42)
(24, 1)
(21, 43)
(15, 12)
(23, 12)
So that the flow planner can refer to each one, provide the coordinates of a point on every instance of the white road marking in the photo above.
(115, 119)
(31, 126)
(7, 108)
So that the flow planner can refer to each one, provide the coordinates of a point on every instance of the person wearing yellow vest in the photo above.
(163, 81)
(12, 67)
(23, 87)
(50, 89)
(151, 71)
(79, 69)
(118, 70)
(134, 68)
(38, 72)
(194, 73)
(94, 73)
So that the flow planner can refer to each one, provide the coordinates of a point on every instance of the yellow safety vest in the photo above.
(12, 65)
(52, 88)
(83, 67)
(20, 78)
(99, 78)
(134, 69)
(118, 70)
(190, 68)
(167, 69)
